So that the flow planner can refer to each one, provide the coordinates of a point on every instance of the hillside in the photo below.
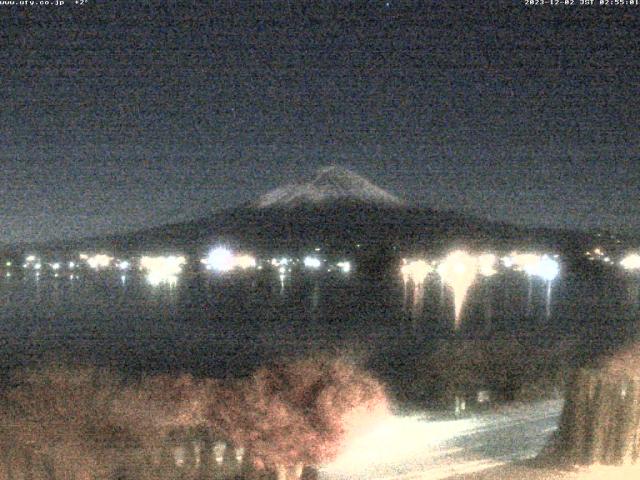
(338, 210)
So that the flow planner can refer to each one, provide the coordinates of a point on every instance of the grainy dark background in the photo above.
(117, 115)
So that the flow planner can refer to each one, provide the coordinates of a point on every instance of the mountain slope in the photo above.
(337, 210)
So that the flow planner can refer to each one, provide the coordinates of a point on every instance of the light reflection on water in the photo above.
(204, 323)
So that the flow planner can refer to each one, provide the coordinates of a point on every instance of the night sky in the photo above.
(115, 115)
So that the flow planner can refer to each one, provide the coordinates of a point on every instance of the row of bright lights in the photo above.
(96, 262)
(536, 265)
(461, 263)
(223, 260)
(459, 270)
(166, 269)
(629, 262)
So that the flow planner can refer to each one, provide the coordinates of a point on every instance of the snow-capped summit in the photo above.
(330, 183)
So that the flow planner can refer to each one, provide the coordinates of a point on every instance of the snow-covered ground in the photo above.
(414, 447)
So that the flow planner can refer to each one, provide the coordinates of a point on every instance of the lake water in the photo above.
(228, 325)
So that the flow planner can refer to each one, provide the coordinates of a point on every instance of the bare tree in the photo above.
(299, 413)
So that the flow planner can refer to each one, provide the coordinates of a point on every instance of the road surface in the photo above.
(414, 447)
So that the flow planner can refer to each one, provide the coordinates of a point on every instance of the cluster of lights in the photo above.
(98, 261)
(219, 260)
(534, 265)
(8, 264)
(34, 263)
(283, 264)
(344, 266)
(312, 262)
(598, 254)
(459, 270)
(31, 261)
(541, 266)
(415, 271)
(162, 270)
(223, 260)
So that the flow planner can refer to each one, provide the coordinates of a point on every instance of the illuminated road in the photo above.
(412, 448)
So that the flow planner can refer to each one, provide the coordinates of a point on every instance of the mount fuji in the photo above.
(338, 209)
(330, 184)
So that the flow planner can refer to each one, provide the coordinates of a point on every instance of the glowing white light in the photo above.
(8, 274)
(56, 275)
(276, 262)
(535, 265)
(124, 265)
(458, 270)
(220, 259)
(345, 266)
(416, 271)
(317, 249)
(8, 264)
(486, 264)
(244, 261)
(527, 262)
(72, 265)
(631, 262)
(395, 440)
(37, 266)
(84, 256)
(312, 262)
(507, 261)
(31, 258)
(55, 266)
(162, 269)
(123, 279)
(547, 269)
(99, 261)
(71, 277)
